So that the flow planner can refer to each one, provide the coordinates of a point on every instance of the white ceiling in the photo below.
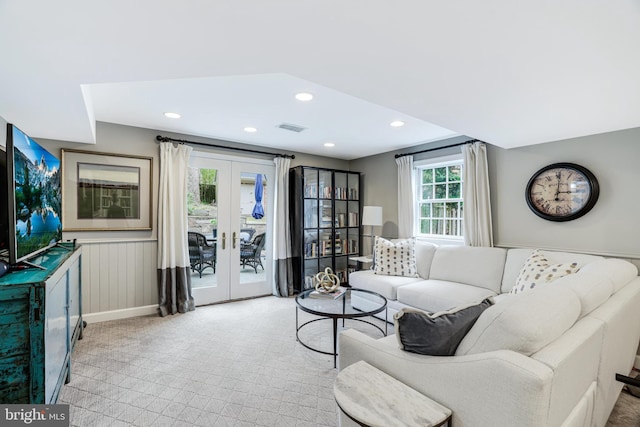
(508, 73)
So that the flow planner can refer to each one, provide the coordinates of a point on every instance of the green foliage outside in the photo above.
(441, 217)
(190, 204)
(208, 180)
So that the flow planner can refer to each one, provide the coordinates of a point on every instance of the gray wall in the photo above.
(3, 132)
(119, 267)
(380, 178)
(610, 228)
(114, 138)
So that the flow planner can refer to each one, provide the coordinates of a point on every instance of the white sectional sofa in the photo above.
(546, 357)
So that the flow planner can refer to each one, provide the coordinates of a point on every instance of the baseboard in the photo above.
(637, 363)
(124, 313)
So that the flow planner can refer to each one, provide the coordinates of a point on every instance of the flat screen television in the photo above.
(4, 211)
(34, 197)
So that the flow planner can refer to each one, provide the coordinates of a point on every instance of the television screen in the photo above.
(34, 196)
(4, 213)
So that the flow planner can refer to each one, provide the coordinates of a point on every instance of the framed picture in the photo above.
(106, 192)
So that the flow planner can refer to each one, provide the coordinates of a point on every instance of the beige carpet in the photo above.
(235, 364)
(626, 413)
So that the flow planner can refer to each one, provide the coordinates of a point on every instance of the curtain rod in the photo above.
(438, 148)
(160, 138)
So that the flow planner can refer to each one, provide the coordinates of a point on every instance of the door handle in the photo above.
(224, 241)
(234, 240)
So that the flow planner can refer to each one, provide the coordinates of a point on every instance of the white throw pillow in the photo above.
(524, 323)
(395, 259)
(537, 270)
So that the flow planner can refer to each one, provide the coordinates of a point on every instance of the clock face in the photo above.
(562, 192)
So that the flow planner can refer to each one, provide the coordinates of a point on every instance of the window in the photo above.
(439, 198)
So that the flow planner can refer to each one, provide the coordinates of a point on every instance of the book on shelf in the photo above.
(353, 219)
(350, 246)
(311, 250)
(326, 222)
(335, 294)
(310, 190)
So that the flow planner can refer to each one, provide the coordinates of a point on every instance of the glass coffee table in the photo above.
(340, 308)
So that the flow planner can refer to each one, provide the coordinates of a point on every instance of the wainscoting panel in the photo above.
(118, 275)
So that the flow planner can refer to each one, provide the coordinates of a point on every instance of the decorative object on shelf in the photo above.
(371, 216)
(562, 192)
(326, 281)
(103, 191)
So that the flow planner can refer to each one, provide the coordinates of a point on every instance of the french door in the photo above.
(230, 203)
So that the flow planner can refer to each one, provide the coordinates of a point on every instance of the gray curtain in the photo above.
(283, 264)
(174, 278)
(478, 230)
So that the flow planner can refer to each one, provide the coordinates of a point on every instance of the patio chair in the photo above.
(246, 234)
(201, 254)
(250, 253)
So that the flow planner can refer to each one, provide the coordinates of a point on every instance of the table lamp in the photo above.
(372, 217)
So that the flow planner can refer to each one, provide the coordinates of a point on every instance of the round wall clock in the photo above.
(562, 192)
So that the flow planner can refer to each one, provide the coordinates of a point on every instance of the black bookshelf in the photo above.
(325, 223)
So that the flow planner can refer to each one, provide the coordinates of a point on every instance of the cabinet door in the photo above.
(74, 300)
(56, 338)
(15, 314)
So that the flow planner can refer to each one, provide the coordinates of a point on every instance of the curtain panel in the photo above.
(478, 230)
(283, 263)
(174, 276)
(406, 204)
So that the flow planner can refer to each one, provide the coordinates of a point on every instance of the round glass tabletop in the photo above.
(341, 307)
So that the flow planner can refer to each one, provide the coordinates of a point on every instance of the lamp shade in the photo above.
(372, 215)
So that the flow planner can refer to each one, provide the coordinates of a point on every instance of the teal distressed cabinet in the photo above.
(40, 321)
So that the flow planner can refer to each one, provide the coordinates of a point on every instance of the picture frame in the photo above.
(105, 191)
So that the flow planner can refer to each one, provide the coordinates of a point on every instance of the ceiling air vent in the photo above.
(293, 128)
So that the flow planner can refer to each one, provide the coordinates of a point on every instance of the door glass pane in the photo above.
(202, 211)
(253, 227)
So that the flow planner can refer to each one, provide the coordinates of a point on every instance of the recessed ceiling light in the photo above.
(396, 123)
(304, 96)
(329, 144)
(250, 129)
(172, 115)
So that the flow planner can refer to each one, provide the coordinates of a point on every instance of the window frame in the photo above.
(434, 163)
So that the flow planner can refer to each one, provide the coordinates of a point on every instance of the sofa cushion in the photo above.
(424, 256)
(395, 259)
(384, 285)
(617, 271)
(436, 334)
(537, 270)
(592, 289)
(477, 266)
(516, 258)
(439, 295)
(524, 323)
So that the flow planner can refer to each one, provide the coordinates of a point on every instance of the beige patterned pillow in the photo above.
(537, 270)
(395, 259)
